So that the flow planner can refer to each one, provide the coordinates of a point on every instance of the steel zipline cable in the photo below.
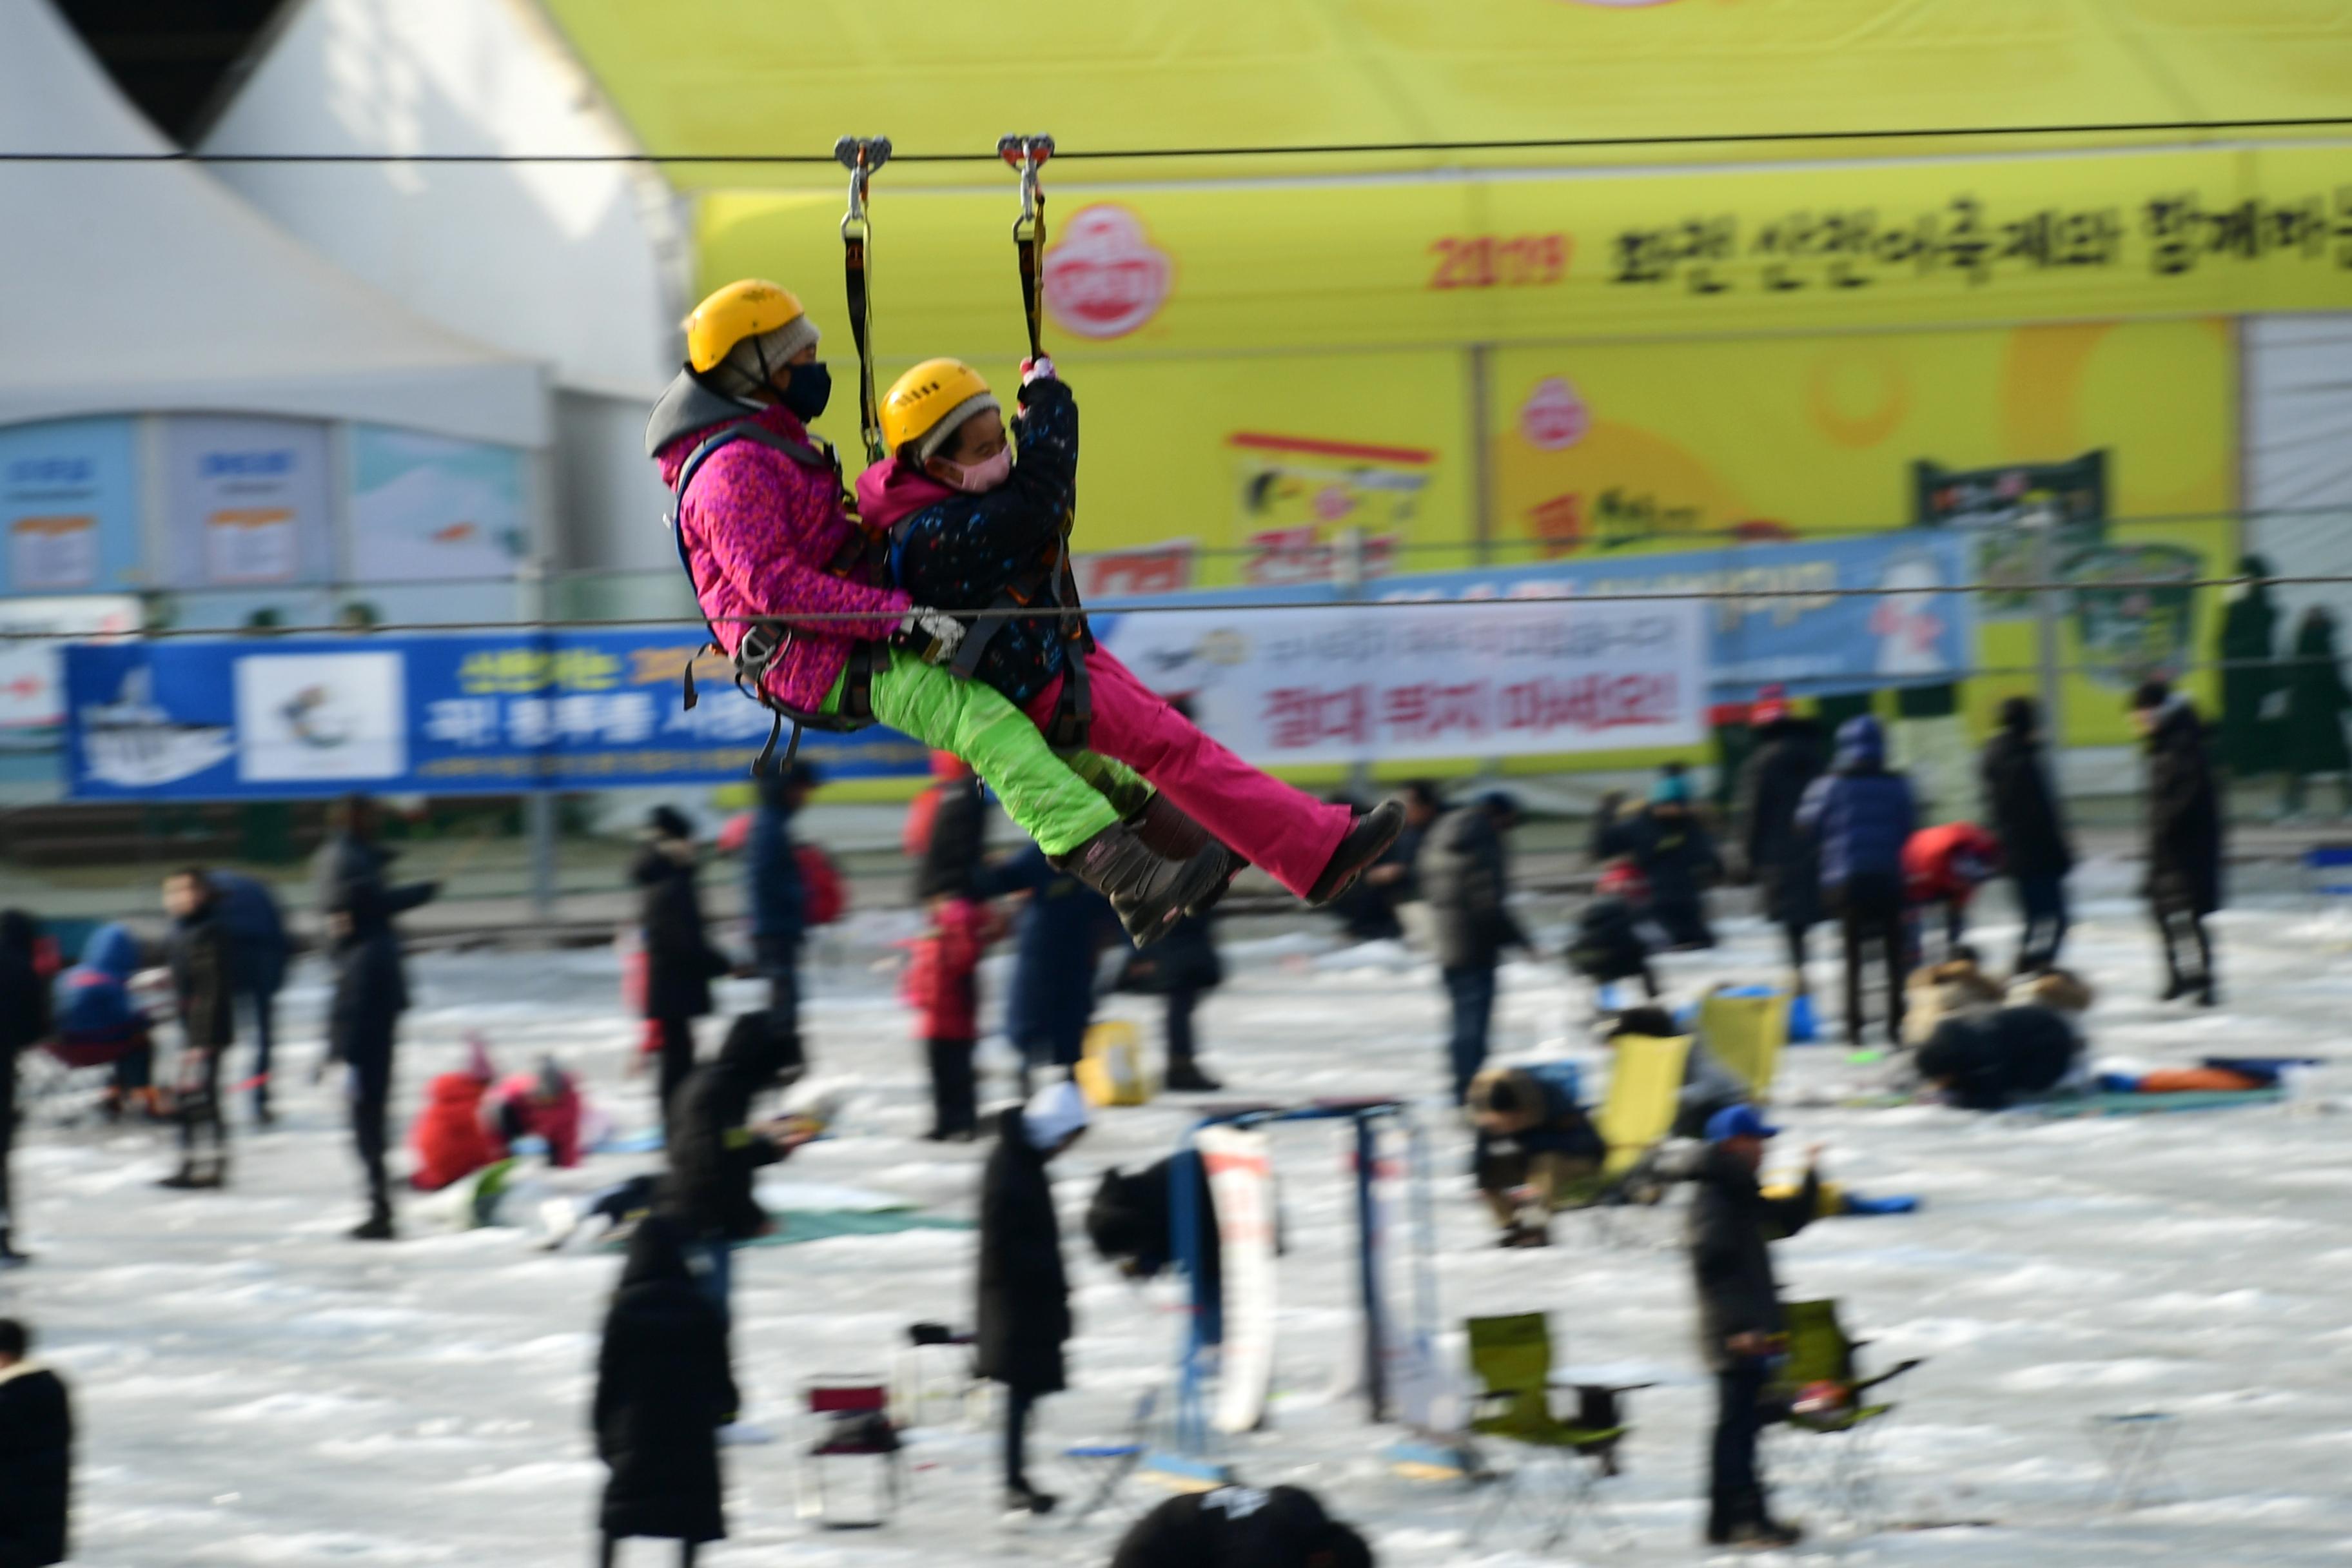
(2326, 122)
(1495, 602)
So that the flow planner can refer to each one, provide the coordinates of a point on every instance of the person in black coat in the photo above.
(662, 1389)
(1732, 1224)
(204, 984)
(1465, 871)
(1778, 855)
(36, 1456)
(1534, 1139)
(258, 953)
(1672, 848)
(2184, 837)
(2027, 817)
(358, 906)
(1242, 1527)
(714, 1153)
(1180, 968)
(681, 961)
(23, 1023)
(1024, 1295)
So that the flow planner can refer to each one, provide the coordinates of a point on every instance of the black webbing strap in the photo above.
(861, 155)
(1028, 154)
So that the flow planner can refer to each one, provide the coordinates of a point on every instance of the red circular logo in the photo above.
(1555, 416)
(1103, 278)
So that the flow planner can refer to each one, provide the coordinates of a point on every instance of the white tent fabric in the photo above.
(148, 286)
(583, 267)
(2299, 453)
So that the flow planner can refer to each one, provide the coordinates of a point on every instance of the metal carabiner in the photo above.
(1028, 154)
(861, 155)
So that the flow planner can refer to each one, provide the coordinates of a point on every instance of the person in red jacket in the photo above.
(1946, 865)
(942, 985)
(449, 1136)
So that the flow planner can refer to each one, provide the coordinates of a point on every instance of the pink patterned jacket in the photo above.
(760, 532)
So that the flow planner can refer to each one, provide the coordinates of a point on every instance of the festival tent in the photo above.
(147, 287)
(579, 265)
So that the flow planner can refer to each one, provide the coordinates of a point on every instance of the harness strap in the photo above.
(861, 155)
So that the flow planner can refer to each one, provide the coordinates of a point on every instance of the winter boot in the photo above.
(1185, 1076)
(186, 1179)
(1149, 893)
(1172, 834)
(1029, 1500)
(9, 1257)
(1366, 842)
(377, 1227)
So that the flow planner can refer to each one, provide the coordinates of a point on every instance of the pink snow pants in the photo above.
(1286, 833)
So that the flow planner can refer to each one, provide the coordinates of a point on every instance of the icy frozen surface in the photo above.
(255, 1389)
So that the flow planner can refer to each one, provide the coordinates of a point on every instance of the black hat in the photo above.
(669, 822)
(2150, 694)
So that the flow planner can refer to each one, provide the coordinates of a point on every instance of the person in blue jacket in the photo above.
(1861, 815)
(257, 955)
(773, 893)
(1063, 932)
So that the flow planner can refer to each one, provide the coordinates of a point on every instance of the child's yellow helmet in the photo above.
(924, 406)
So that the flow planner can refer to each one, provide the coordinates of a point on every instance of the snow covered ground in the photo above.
(255, 1389)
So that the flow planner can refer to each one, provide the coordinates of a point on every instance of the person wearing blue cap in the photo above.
(1672, 848)
(1732, 1223)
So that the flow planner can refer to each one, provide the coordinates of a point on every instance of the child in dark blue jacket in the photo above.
(971, 529)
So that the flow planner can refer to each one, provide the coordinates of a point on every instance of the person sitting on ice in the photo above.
(778, 562)
(1242, 1527)
(2033, 1048)
(970, 527)
(449, 1136)
(1534, 1139)
(546, 1105)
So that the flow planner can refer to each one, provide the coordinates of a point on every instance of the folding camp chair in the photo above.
(1746, 1034)
(1644, 1089)
(853, 1432)
(1827, 1399)
(1104, 1468)
(1512, 1359)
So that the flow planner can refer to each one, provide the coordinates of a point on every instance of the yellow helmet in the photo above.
(924, 406)
(744, 309)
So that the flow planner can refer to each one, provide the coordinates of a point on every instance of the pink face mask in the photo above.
(982, 476)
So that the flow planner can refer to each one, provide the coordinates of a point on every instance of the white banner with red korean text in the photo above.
(1462, 678)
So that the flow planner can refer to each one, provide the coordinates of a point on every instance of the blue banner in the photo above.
(1795, 620)
(254, 718)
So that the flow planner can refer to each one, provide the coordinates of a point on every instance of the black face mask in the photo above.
(808, 392)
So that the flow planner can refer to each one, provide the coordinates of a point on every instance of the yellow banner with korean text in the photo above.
(1419, 261)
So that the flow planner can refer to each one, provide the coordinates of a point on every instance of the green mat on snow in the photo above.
(2152, 1104)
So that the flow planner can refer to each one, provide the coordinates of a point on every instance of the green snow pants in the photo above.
(1061, 800)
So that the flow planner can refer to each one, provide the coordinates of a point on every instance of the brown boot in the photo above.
(1366, 842)
(1149, 892)
(1167, 831)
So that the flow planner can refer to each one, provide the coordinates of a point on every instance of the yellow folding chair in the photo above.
(1746, 1034)
(1511, 1359)
(1838, 1419)
(1644, 1089)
